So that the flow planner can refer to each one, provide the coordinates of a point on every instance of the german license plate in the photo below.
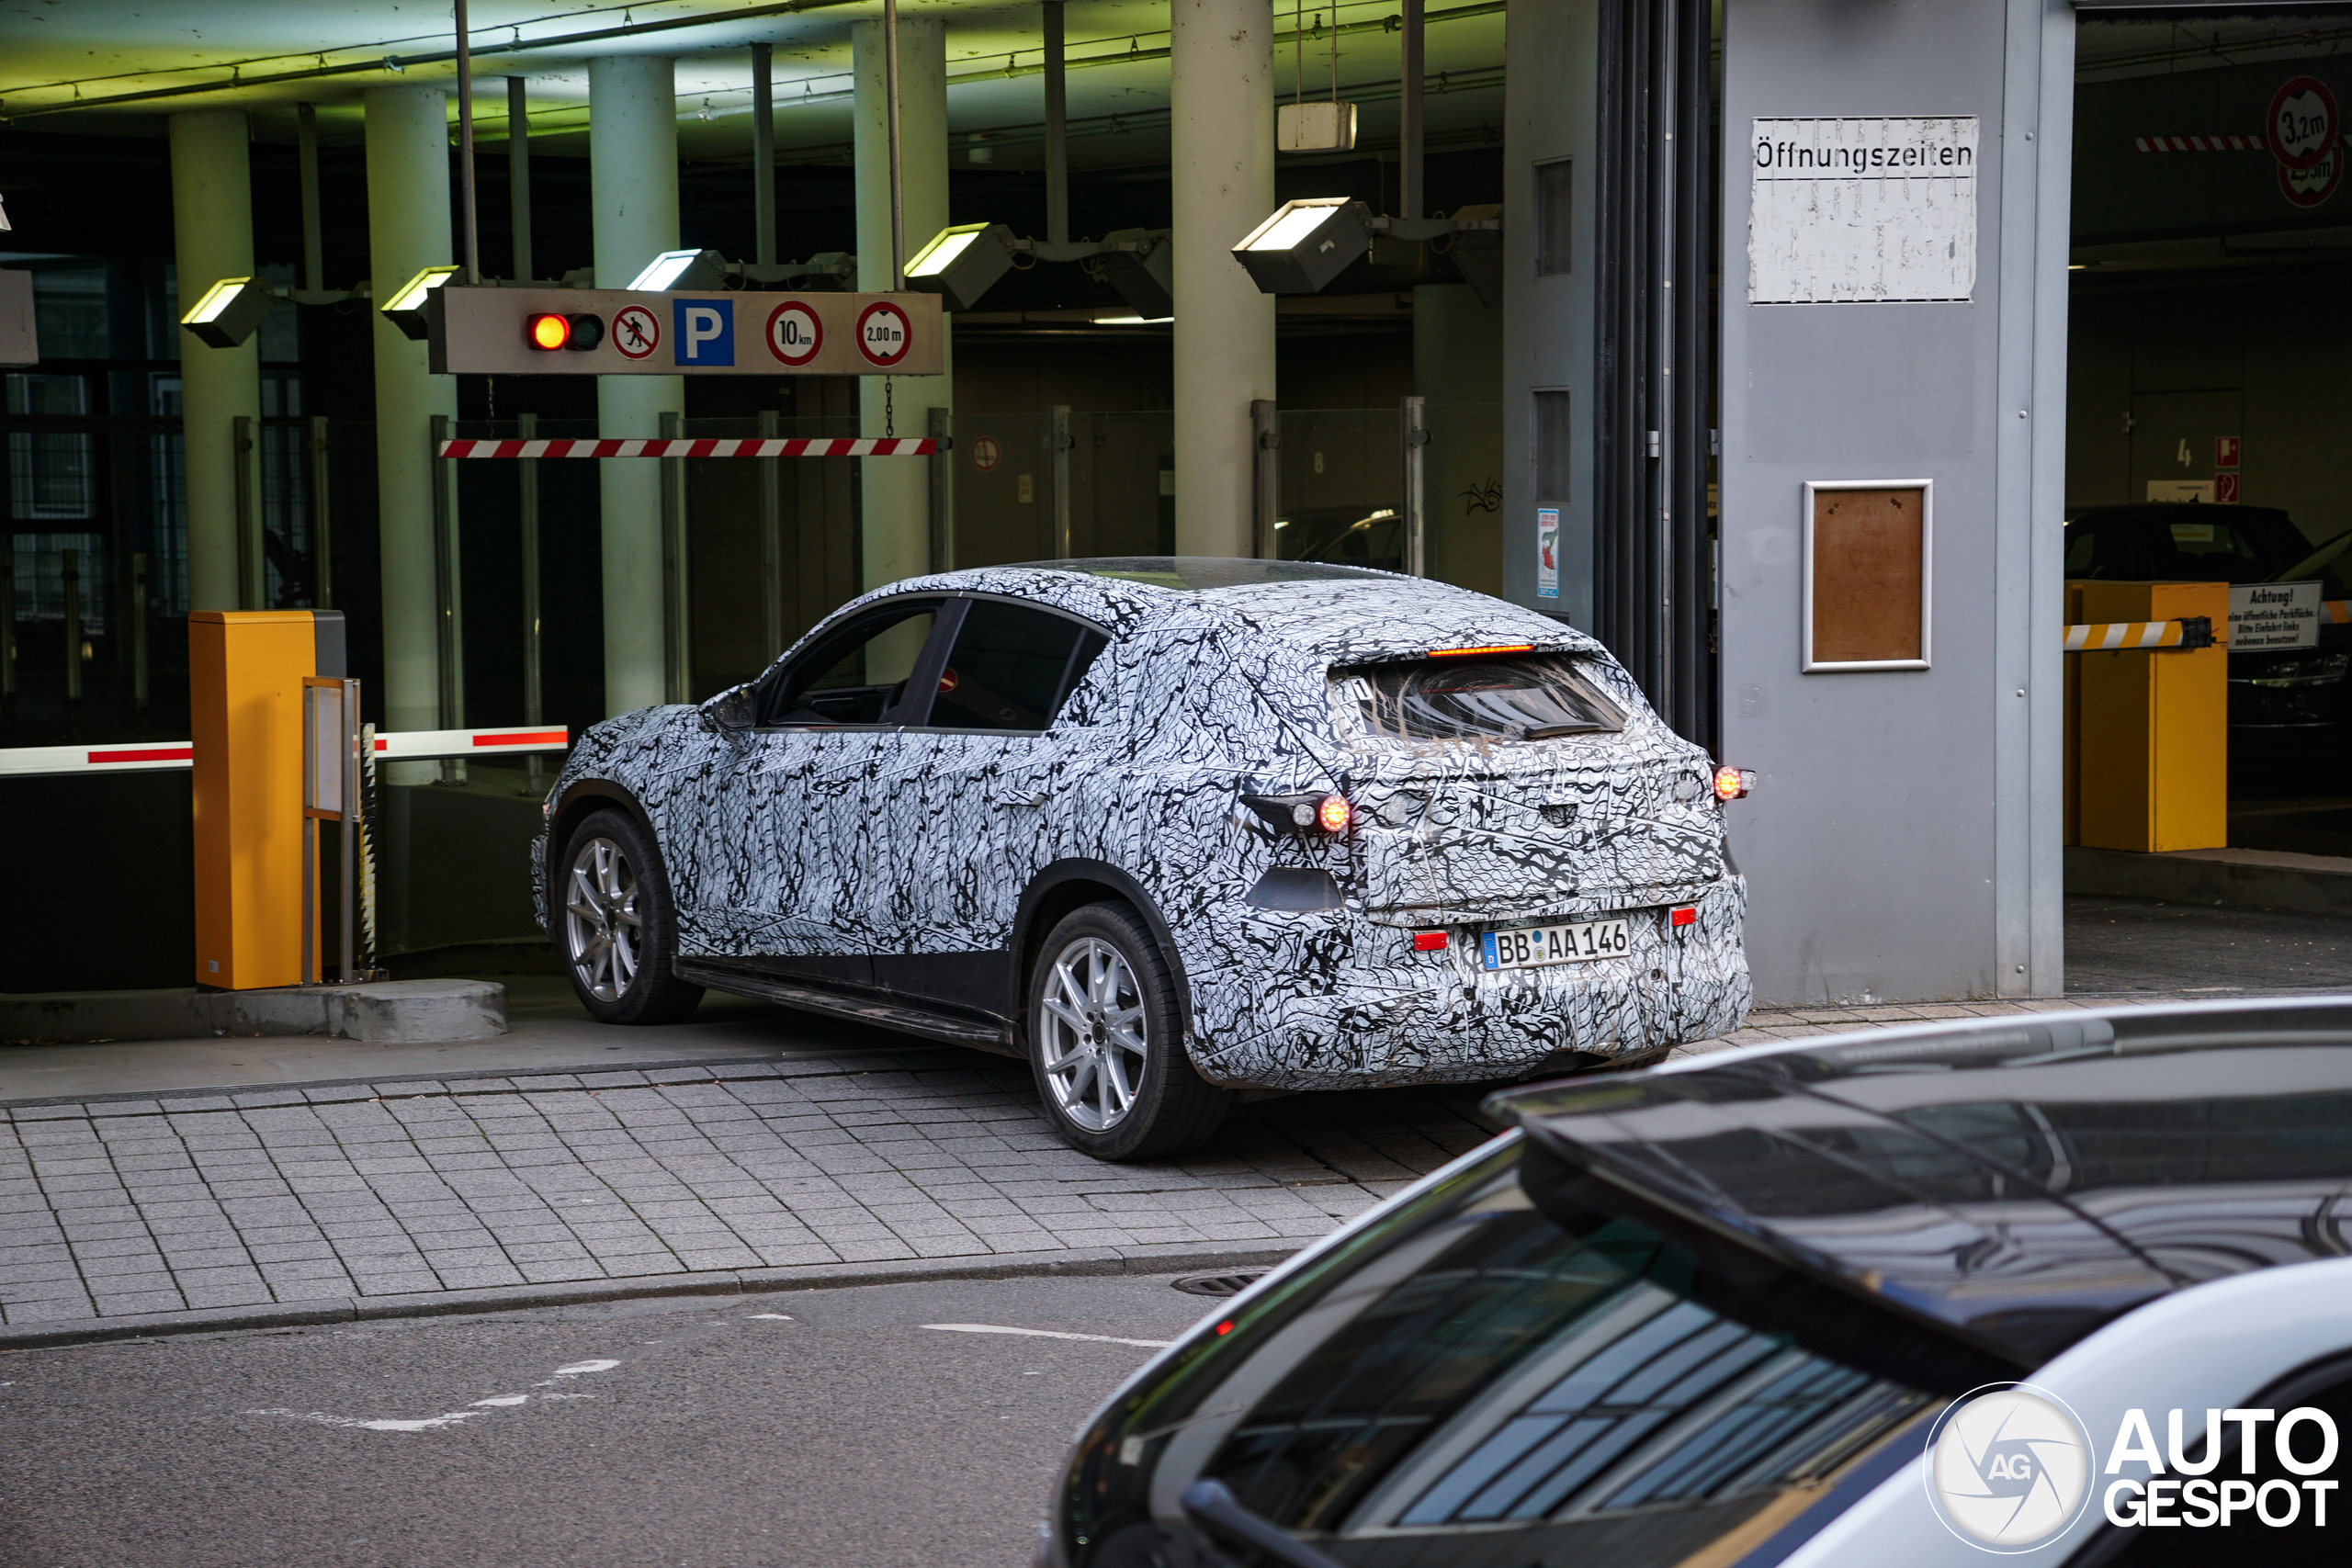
(1532, 946)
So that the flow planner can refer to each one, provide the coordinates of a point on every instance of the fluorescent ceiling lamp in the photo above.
(962, 264)
(677, 271)
(229, 311)
(1306, 244)
(405, 309)
(1132, 319)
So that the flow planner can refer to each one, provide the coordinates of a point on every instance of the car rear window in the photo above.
(1532, 696)
(1546, 1386)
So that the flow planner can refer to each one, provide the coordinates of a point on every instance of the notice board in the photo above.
(1869, 569)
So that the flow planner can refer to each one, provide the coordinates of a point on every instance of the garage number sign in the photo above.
(1860, 212)
(486, 331)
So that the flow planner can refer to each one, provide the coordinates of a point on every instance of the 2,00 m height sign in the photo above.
(795, 332)
(883, 333)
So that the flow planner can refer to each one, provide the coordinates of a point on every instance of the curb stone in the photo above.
(1153, 1258)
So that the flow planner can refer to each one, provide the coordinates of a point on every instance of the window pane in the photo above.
(1552, 218)
(1528, 1395)
(1489, 699)
(857, 675)
(1009, 668)
(1551, 448)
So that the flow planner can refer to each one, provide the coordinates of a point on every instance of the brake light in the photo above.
(1473, 652)
(1733, 783)
(1428, 942)
(1686, 915)
(548, 331)
(1333, 815)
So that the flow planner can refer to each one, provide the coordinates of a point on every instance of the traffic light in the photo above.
(550, 330)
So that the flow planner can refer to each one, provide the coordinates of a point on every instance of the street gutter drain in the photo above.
(1231, 1284)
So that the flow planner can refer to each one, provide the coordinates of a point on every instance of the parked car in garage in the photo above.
(1901, 1297)
(2292, 700)
(1168, 828)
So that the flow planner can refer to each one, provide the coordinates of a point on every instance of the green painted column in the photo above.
(212, 238)
(408, 229)
(897, 490)
(633, 177)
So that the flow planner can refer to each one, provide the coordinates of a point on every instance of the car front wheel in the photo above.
(618, 931)
(1106, 1041)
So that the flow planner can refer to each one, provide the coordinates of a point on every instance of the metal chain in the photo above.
(890, 415)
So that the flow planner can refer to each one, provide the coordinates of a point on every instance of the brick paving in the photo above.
(224, 1199)
(232, 1200)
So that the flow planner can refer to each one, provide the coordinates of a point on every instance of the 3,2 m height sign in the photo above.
(485, 331)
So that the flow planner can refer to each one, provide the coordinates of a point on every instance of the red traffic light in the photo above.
(548, 331)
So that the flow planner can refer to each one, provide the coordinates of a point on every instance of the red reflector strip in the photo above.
(148, 754)
(1686, 915)
(1428, 942)
(528, 738)
(1470, 652)
(1225, 1327)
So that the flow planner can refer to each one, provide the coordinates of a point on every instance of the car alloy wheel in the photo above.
(1094, 1036)
(604, 934)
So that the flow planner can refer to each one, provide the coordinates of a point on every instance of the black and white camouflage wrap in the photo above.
(911, 842)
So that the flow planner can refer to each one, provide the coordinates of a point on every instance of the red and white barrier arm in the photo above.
(161, 756)
(878, 446)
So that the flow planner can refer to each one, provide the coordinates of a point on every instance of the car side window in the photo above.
(856, 674)
(1011, 668)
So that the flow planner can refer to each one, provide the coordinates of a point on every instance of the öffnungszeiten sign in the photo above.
(1858, 211)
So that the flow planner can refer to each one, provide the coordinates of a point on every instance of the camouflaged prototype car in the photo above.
(1168, 829)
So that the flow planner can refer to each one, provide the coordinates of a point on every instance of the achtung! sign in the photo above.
(488, 332)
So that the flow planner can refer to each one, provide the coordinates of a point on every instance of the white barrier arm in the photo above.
(164, 756)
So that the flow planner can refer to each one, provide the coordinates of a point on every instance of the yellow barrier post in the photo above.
(246, 670)
(2153, 725)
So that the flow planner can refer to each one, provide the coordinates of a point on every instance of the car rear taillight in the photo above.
(1428, 942)
(1332, 814)
(1318, 811)
(1686, 915)
(1733, 783)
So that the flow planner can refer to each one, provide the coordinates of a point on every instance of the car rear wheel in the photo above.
(618, 930)
(1106, 1041)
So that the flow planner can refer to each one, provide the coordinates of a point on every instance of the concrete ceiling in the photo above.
(118, 66)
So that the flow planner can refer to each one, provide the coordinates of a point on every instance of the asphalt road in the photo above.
(2196, 950)
(715, 1433)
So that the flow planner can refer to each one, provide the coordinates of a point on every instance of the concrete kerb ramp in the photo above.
(383, 1012)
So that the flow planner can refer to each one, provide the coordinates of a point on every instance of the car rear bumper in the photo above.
(1332, 1000)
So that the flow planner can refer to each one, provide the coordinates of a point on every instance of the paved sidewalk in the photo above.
(424, 1194)
(288, 1196)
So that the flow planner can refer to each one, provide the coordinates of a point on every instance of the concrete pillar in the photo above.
(1221, 96)
(633, 175)
(896, 491)
(1458, 367)
(408, 229)
(212, 236)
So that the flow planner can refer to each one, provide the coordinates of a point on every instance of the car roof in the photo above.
(2155, 512)
(1332, 613)
(2018, 1180)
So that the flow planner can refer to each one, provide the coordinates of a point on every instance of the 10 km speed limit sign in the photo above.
(795, 334)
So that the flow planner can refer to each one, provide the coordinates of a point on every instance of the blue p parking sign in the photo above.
(704, 331)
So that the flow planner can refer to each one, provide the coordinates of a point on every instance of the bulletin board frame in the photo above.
(1851, 590)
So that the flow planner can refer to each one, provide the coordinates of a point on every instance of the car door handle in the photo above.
(1039, 798)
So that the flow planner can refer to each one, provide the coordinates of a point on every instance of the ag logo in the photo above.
(2008, 1467)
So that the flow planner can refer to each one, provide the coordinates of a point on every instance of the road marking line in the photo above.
(771, 1316)
(434, 1423)
(1047, 1334)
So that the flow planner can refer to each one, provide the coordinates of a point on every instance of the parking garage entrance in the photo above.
(2211, 246)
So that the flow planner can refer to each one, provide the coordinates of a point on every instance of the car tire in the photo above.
(1106, 1041)
(615, 926)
